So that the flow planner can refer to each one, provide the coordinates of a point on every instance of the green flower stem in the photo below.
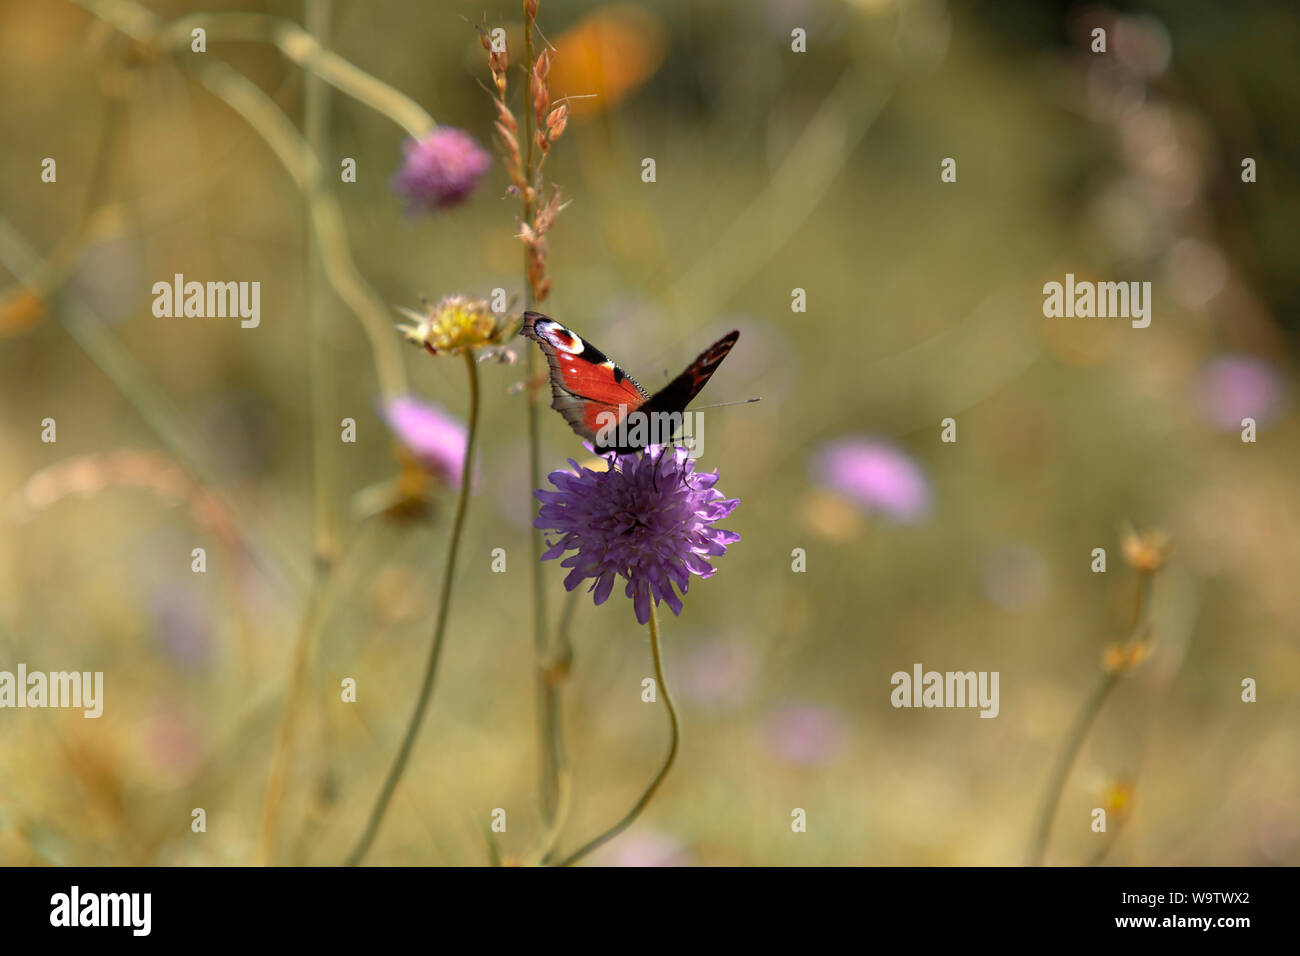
(261, 113)
(316, 130)
(325, 545)
(561, 659)
(301, 47)
(1079, 731)
(277, 779)
(649, 793)
(799, 184)
(1065, 762)
(439, 630)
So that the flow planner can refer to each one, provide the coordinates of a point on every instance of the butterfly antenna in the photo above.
(743, 401)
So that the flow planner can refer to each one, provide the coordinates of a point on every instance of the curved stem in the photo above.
(306, 50)
(325, 533)
(267, 119)
(1079, 733)
(1065, 762)
(439, 631)
(278, 778)
(640, 805)
(95, 337)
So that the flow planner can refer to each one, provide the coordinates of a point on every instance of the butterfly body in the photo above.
(605, 405)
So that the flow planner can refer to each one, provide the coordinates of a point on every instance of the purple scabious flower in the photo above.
(435, 438)
(1233, 387)
(877, 476)
(649, 519)
(440, 169)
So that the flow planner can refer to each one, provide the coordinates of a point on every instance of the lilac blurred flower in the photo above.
(435, 438)
(647, 849)
(805, 734)
(649, 519)
(182, 623)
(1233, 387)
(718, 675)
(879, 477)
(440, 169)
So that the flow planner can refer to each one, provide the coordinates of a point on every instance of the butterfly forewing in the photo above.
(677, 394)
(585, 383)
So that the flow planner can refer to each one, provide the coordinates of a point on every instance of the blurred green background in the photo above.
(776, 170)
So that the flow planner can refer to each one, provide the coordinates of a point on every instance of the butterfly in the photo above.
(601, 402)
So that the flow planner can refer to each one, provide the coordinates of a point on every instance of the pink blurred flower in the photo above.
(805, 734)
(879, 477)
(174, 745)
(717, 675)
(645, 848)
(440, 170)
(433, 436)
(1233, 387)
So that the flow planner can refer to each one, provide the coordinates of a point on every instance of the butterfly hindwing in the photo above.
(586, 385)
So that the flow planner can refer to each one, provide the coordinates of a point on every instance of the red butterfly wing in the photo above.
(585, 383)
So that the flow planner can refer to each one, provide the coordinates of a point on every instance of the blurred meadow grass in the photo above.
(775, 171)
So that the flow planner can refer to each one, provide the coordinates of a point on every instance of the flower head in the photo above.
(440, 169)
(453, 326)
(1117, 797)
(649, 520)
(1147, 551)
(435, 438)
(877, 476)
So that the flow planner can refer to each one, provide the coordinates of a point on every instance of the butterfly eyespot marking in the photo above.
(560, 337)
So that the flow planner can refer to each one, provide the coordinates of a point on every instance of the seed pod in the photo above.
(557, 121)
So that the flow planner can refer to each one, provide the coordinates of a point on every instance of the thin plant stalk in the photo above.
(304, 48)
(325, 534)
(133, 381)
(650, 791)
(799, 184)
(439, 630)
(558, 669)
(552, 760)
(266, 118)
(277, 780)
(1079, 732)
